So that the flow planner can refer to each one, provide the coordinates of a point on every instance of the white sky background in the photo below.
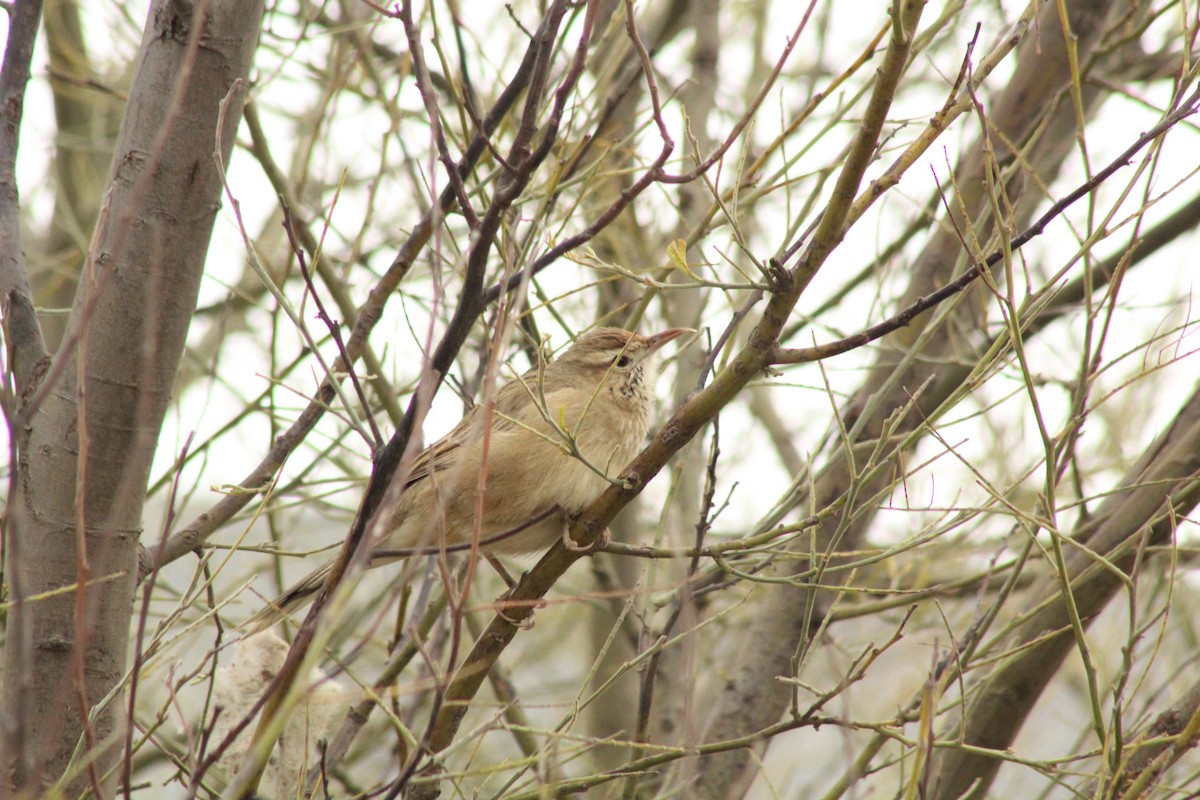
(1157, 297)
(363, 129)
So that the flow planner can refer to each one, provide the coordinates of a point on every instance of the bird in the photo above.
(557, 436)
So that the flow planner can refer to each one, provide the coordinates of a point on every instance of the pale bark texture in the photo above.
(89, 422)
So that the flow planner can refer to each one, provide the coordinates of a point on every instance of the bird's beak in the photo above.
(659, 339)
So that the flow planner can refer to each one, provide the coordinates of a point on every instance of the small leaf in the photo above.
(677, 255)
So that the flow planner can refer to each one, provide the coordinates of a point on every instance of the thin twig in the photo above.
(332, 326)
(806, 354)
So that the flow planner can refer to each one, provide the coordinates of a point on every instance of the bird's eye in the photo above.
(622, 361)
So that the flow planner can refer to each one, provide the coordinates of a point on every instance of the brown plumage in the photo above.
(555, 437)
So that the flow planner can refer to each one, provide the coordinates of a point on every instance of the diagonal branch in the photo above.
(1142, 511)
(690, 418)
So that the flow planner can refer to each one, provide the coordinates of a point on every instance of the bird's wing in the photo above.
(442, 454)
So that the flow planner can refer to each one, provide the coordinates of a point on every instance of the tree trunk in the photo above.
(90, 427)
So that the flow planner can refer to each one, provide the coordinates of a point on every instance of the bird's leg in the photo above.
(523, 624)
(503, 573)
(569, 543)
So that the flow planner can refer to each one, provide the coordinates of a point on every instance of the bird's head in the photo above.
(618, 358)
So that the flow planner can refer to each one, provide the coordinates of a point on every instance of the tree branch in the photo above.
(23, 338)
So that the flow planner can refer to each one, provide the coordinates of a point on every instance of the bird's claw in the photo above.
(587, 549)
(525, 624)
(521, 623)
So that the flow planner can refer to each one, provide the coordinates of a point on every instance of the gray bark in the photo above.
(91, 427)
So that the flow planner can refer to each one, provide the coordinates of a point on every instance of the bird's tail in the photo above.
(296, 597)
